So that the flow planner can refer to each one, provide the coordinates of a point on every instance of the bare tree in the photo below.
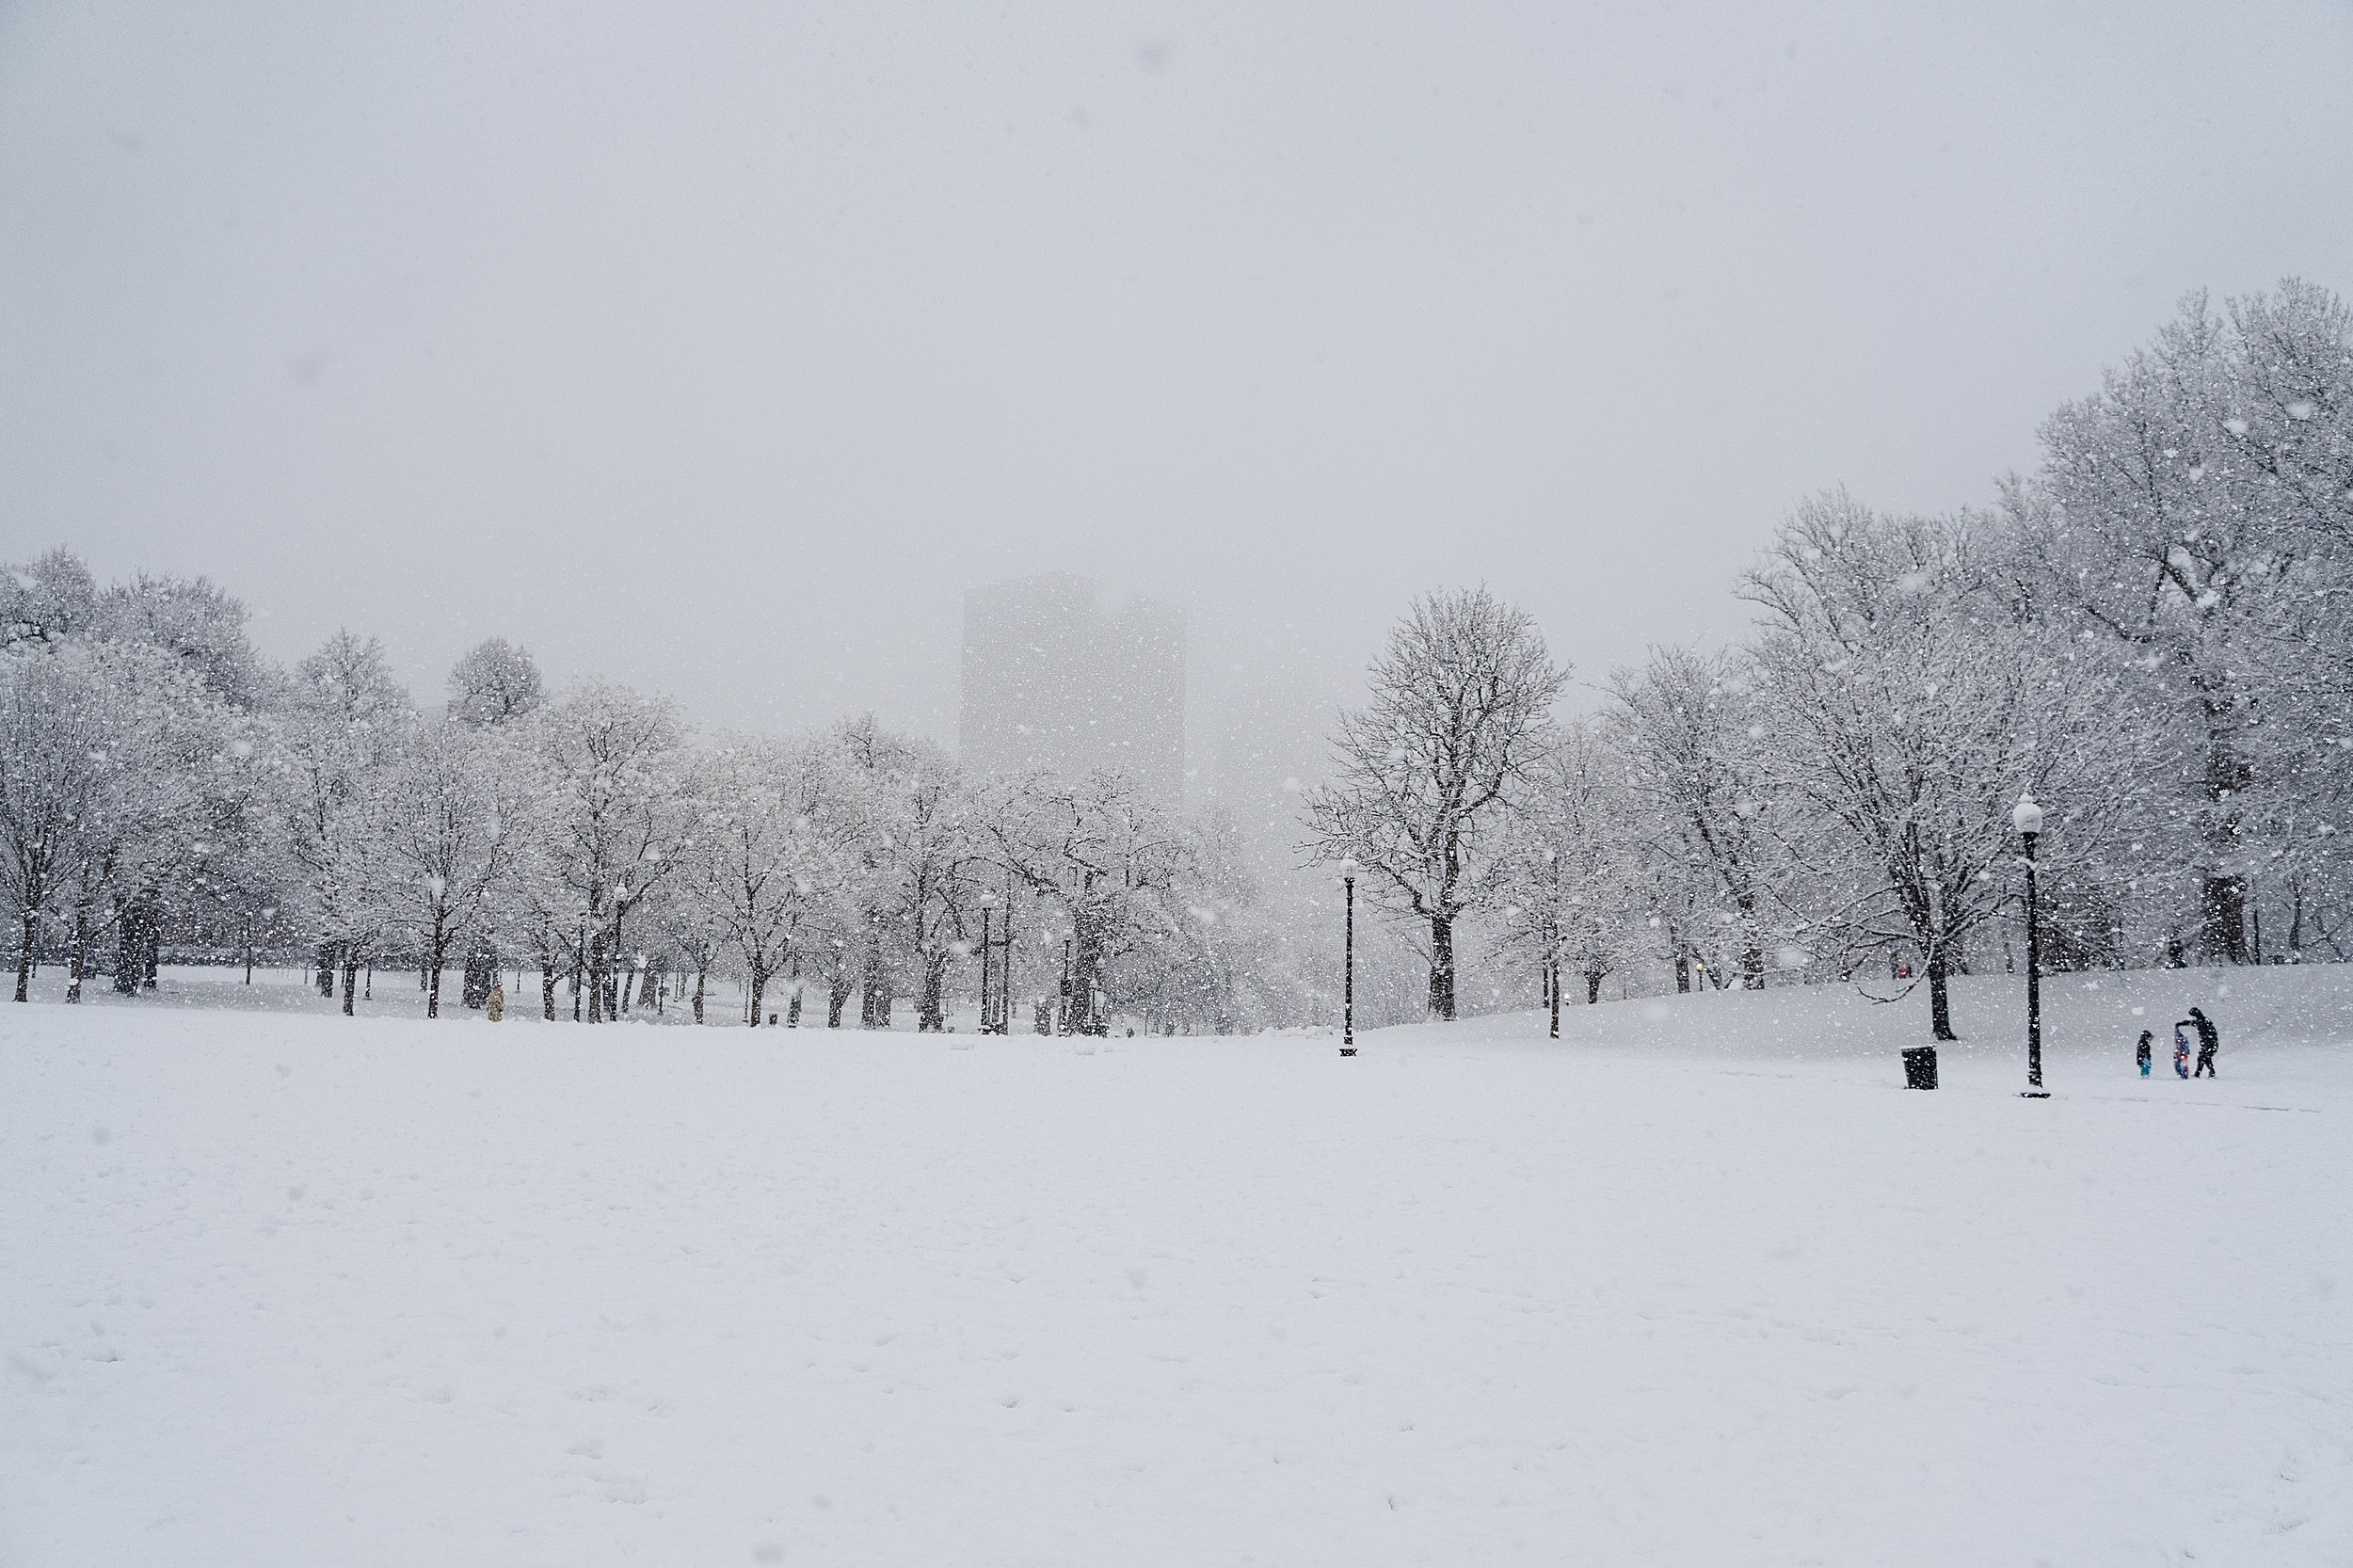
(1461, 705)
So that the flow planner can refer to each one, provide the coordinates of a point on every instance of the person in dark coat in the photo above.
(2209, 1038)
(2141, 1052)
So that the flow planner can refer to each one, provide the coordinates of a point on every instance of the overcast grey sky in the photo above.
(719, 347)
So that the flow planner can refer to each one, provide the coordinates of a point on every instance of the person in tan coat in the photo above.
(494, 1005)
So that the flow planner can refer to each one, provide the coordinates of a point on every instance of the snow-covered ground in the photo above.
(1697, 1285)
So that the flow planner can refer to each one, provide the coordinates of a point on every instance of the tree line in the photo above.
(2152, 635)
(157, 777)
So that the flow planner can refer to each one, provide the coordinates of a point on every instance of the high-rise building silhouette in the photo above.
(1054, 679)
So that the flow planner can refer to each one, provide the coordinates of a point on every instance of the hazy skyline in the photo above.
(1053, 677)
(720, 350)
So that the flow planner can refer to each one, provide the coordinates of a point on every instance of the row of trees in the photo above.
(2152, 635)
(150, 787)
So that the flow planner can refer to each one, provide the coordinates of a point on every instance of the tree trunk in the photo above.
(351, 980)
(434, 962)
(1442, 967)
(1940, 1006)
(327, 969)
(547, 988)
(931, 1015)
(2222, 917)
(759, 989)
(596, 977)
(24, 959)
(77, 964)
(129, 962)
(2222, 897)
(837, 992)
(1593, 986)
(702, 973)
(1683, 970)
(873, 1003)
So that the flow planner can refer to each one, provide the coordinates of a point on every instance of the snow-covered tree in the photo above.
(1687, 728)
(1206, 956)
(757, 868)
(1109, 863)
(451, 818)
(1461, 706)
(54, 741)
(495, 682)
(345, 724)
(905, 817)
(115, 766)
(1908, 706)
(198, 625)
(616, 810)
(1567, 858)
(47, 599)
(2194, 516)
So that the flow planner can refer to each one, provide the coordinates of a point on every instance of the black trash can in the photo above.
(1920, 1067)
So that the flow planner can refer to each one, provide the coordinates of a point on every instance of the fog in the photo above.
(720, 348)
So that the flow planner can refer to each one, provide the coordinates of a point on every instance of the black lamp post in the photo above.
(1552, 943)
(988, 908)
(1069, 998)
(1347, 968)
(2027, 819)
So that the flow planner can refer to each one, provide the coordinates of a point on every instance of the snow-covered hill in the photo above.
(1697, 1285)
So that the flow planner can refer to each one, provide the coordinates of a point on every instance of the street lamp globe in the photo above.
(988, 901)
(2026, 817)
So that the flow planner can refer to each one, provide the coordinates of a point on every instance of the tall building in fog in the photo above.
(1053, 678)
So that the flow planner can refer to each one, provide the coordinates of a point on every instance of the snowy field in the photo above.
(1698, 1285)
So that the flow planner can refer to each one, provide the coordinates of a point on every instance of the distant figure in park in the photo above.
(2140, 1053)
(2209, 1038)
(494, 1005)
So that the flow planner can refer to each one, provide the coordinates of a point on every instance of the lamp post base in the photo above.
(1348, 1050)
(2034, 1093)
